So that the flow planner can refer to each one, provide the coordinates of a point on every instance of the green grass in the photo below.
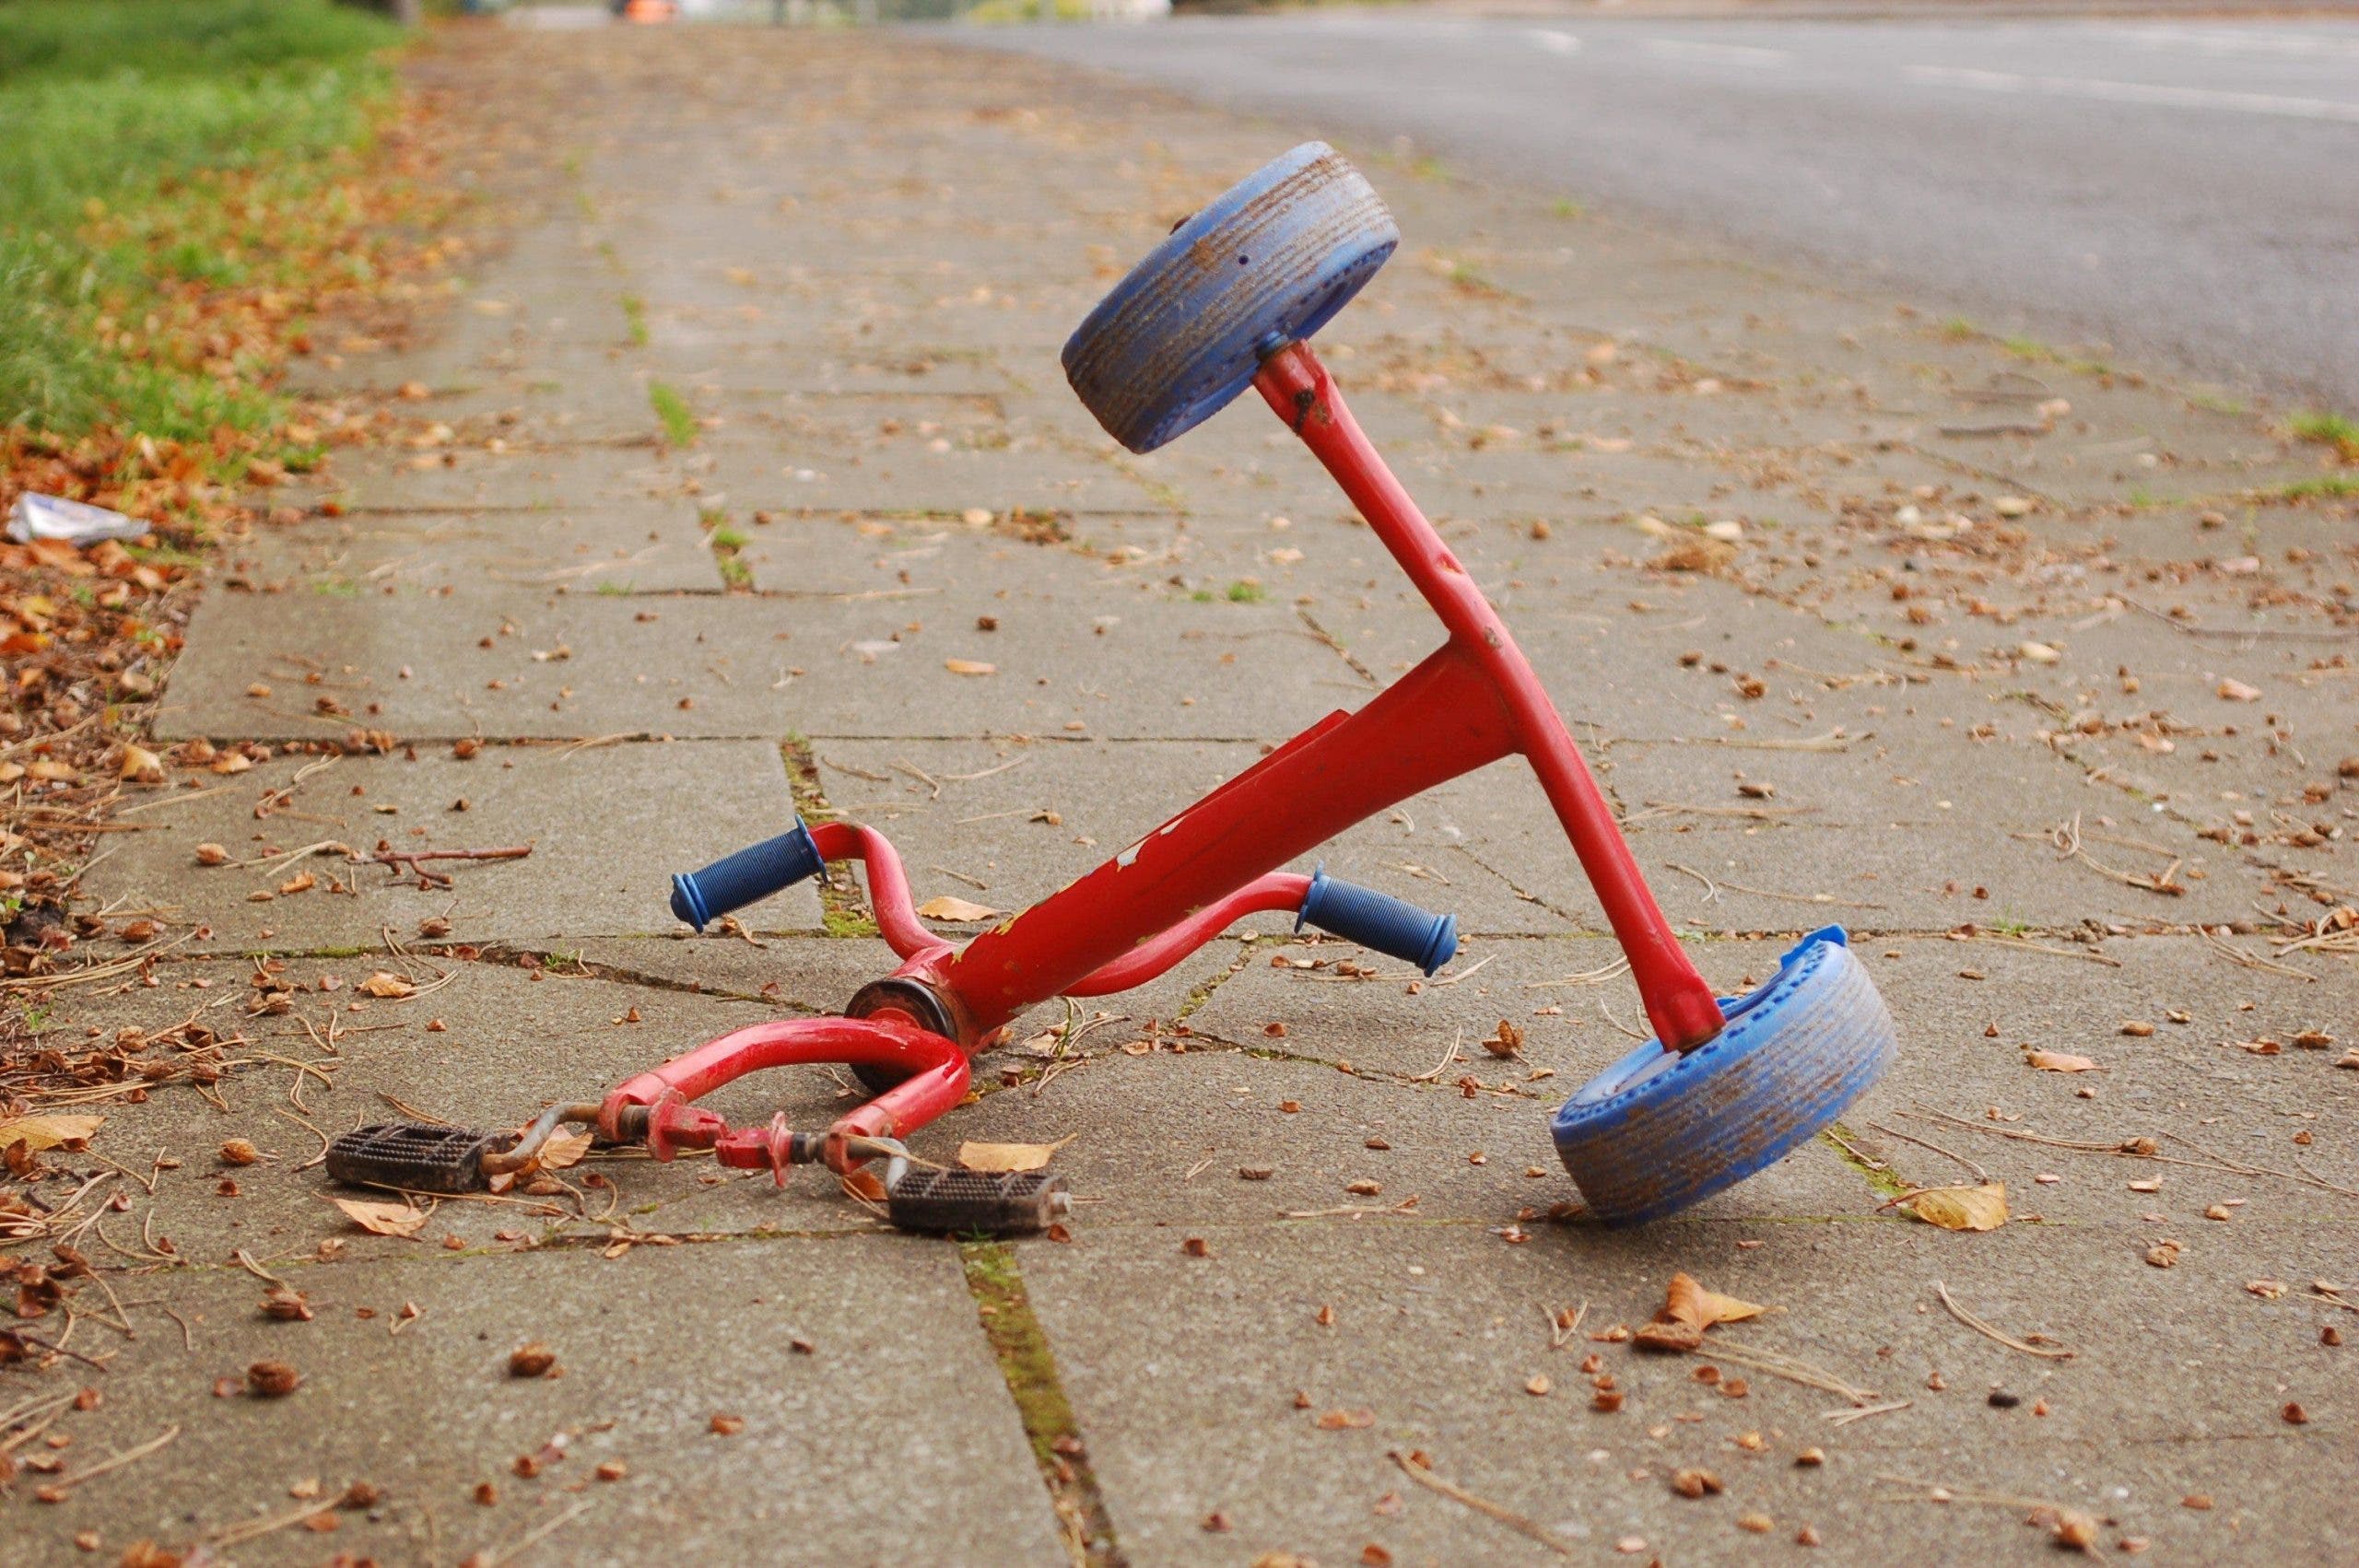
(149, 145)
(2040, 353)
(1958, 327)
(1247, 594)
(2328, 430)
(679, 421)
(634, 319)
(2325, 487)
(1566, 208)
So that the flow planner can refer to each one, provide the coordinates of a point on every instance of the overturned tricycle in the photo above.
(1230, 300)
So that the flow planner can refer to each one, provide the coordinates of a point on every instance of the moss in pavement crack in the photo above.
(842, 911)
(1021, 1347)
(1882, 1179)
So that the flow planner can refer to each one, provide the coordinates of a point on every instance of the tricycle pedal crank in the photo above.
(943, 1200)
(419, 1156)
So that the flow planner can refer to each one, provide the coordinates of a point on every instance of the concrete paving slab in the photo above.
(656, 547)
(829, 1346)
(812, 480)
(607, 827)
(584, 666)
(534, 480)
(1436, 1333)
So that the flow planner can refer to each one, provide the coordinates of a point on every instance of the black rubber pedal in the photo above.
(987, 1202)
(412, 1154)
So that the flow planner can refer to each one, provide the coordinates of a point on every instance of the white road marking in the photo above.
(2252, 41)
(2140, 92)
(1556, 42)
(1723, 54)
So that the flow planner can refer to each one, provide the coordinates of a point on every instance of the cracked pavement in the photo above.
(1967, 674)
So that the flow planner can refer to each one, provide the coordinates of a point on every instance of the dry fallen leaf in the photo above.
(1687, 1301)
(1344, 1420)
(2234, 690)
(1981, 1207)
(384, 983)
(382, 1219)
(969, 667)
(141, 766)
(1688, 1310)
(1008, 1156)
(2059, 1061)
(530, 1359)
(946, 908)
(39, 1133)
(562, 1149)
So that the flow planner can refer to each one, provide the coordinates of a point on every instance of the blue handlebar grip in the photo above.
(749, 875)
(1378, 921)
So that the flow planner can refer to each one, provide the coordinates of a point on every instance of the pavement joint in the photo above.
(1020, 1345)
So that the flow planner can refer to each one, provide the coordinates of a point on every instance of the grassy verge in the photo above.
(187, 188)
(173, 180)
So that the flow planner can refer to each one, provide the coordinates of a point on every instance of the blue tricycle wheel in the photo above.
(1656, 1133)
(1269, 260)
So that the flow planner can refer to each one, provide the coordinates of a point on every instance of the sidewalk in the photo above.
(1981, 609)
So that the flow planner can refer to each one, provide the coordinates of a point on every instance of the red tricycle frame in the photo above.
(1471, 702)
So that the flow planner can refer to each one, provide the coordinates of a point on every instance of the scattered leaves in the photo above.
(960, 911)
(1009, 1156)
(1982, 1207)
(382, 1219)
(39, 1132)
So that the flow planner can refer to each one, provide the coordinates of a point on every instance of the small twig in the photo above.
(2087, 953)
(1750, 813)
(1833, 741)
(2237, 955)
(921, 776)
(412, 1111)
(538, 1532)
(245, 1260)
(1586, 977)
(254, 1529)
(1505, 1515)
(1845, 1144)
(1448, 1059)
(1405, 1209)
(986, 773)
(1980, 1173)
(1779, 1364)
(1470, 969)
(1979, 1326)
(1634, 1034)
(409, 859)
(1845, 1418)
(1711, 888)
(128, 1455)
(1561, 1334)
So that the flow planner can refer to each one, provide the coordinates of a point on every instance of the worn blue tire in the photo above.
(1268, 262)
(1656, 1133)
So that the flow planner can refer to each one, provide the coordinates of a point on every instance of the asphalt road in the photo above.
(2187, 192)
